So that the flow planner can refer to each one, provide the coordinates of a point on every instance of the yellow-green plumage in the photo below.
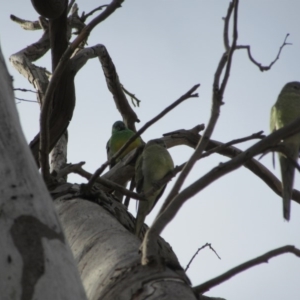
(286, 110)
(119, 136)
(152, 165)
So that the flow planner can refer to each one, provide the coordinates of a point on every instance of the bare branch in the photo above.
(27, 25)
(191, 138)
(168, 214)
(199, 249)
(132, 96)
(217, 102)
(226, 26)
(85, 16)
(186, 96)
(25, 100)
(115, 87)
(24, 90)
(264, 68)
(77, 169)
(206, 286)
(45, 112)
(219, 148)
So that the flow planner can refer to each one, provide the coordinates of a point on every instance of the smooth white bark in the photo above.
(36, 261)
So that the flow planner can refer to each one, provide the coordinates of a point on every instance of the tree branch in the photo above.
(264, 68)
(45, 112)
(206, 286)
(168, 214)
(217, 102)
(114, 86)
(199, 249)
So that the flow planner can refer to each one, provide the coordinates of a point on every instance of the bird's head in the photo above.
(159, 142)
(118, 126)
(292, 88)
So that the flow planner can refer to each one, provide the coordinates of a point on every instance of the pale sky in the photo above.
(161, 49)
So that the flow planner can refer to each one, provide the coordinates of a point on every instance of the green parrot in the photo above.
(119, 136)
(285, 110)
(152, 165)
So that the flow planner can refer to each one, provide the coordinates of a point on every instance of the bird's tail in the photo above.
(287, 174)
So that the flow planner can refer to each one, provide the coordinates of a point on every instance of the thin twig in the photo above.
(45, 112)
(85, 16)
(25, 90)
(264, 68)
(199, 249)
(132, 97)
(21, 99)
(186, 96)
(77, 169)
(258, 135)
(206, 286)
(226, 26)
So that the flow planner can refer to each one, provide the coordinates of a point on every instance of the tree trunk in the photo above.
(36, 259)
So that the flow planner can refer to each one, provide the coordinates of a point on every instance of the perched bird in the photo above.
(152, 165)
(119, 136)
(285, 110)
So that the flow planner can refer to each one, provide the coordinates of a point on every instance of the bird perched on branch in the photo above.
(120, 134)
(152, 165)
(285, 110)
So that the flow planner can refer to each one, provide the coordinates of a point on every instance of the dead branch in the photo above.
(132, 97)
(206, 286)
(264, 68)
(44, 147)
(217, 102)
(115, 87)
(26, 100)
(24, 90)
(168, 214)
(27, 25)
(85, 16)
(199, 249)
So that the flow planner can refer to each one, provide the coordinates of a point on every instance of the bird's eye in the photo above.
(296, 87)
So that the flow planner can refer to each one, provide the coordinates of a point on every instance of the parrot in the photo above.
(119, 136)
(151, 166)
(285, 110)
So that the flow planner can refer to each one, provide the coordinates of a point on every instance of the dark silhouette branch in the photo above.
(224, 168)
(115, 87)
(199, 249)
(44, 148)
(206, 286)
(217, 102)
(132, 97)
(264, 68)
(27, 25)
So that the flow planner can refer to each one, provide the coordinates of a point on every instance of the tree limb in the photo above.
(168, 214)
(264, 68)
(206, 286)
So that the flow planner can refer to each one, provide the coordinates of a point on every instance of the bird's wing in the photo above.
(273, 118)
